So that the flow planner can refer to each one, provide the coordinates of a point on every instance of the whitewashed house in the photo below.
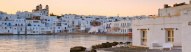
(58, 27)
(33, 26)
(173, 24)
(8, 17)
(97, 29)
(6, 27)
(47, 26)
(19, 26)
(119, 27)
(22, 15)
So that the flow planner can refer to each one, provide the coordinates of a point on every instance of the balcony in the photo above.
(35, 21)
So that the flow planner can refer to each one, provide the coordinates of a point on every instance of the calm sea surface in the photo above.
(52, 43)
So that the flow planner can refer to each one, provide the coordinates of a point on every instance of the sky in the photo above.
(90, 7)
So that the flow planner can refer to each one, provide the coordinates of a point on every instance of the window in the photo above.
(10, 27)
(42, 28)
(34, 25)
(144, 37)
(170, 35)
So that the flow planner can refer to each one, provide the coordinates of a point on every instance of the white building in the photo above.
(172, 25)
(19, 26)
(119, 27)
(33, 26)
(22, 15)
(6, 27)
(7, 17)
(97, 29)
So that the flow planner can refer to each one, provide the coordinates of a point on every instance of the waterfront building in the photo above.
(19, 26)
(119, 27)
(171, 25)
(97, 29)
(58, 27)
(6, 27)
(39, 22)
(33, 26)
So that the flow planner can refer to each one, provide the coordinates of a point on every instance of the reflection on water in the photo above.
(52, 43)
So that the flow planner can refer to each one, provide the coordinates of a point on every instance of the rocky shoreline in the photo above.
(99, 46)
(118, 47)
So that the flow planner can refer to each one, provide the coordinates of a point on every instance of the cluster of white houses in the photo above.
(173, 24)
(39, 22)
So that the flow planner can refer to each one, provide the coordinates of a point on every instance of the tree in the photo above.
(52, 14)
(29, 24)
(59, 17)
(55, 15)
(116, 20)
(124, 18)
(66, 30)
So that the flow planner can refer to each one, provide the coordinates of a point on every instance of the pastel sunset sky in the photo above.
(90, 7)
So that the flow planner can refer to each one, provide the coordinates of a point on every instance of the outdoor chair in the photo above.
(167, 45)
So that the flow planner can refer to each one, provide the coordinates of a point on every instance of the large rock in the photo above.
(93, 50)
(77, 49)
(115, 43)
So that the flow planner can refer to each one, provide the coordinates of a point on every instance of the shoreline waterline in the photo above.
(74, 34)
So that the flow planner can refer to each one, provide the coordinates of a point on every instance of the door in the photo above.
(144, 37)
(8, 31)
(170, 35)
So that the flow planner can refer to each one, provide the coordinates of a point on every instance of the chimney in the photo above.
(175, 5)
(165, 5)
(184, 3)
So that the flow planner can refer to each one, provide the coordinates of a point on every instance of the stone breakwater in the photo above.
(99, 46)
